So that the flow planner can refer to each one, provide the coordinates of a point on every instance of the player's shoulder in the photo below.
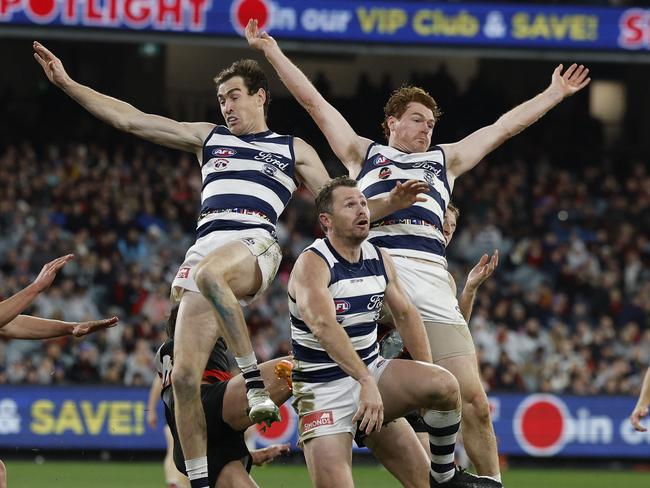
(201, 130)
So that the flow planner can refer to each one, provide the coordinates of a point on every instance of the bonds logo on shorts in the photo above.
(224, 152)
(381, 160)
(342, 306)
(183, 272)
(313, 420)
(384, 173)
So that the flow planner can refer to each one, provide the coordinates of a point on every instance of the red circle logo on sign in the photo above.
(244, 10)
(541, 425)
(281, 431)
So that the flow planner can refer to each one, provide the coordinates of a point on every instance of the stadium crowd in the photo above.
(568, 310)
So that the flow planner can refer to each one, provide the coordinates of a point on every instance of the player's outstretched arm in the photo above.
(28, 327)
(309, 285)
(406, 318)
(476, 277)
(466, 153)
(152, 402)
(121, 115)
(344, 141)
(12, 306)
(641, 409)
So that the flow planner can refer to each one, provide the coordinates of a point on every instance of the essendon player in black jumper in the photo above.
(225, 405)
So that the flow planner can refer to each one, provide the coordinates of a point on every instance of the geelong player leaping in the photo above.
(414, 236)
(249, 174)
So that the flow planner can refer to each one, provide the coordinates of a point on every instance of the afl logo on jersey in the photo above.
(223, 152)
(342, 306)
(384, 173)
(381, 160)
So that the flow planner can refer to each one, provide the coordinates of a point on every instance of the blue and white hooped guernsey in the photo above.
(247, 180)
(358, 293)
(415, 231)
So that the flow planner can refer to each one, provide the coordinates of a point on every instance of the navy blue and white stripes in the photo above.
(417, 230)
(357, 290)
(247, 180)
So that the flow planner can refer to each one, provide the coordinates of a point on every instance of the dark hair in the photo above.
(453, 208)
(324, 197)
(253, 76)
(399, 101)
(170, 326)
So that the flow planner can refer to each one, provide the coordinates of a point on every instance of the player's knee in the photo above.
(186, 384)
(445, 392)
(207, 278)
(477, 407)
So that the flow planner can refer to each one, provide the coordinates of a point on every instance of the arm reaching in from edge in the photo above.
(463, 155)
(152, 402)
(34, 328)
(123, 116)
(12, 306)
(347, 145)
(641, 409)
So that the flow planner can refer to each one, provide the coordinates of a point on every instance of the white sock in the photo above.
(197, 472)
(443, 430)
(247, 363)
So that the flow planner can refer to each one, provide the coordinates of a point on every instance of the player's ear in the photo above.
(391, 121)
(261, 96)
(325, 220)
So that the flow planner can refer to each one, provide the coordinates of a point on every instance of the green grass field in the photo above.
(56, 474)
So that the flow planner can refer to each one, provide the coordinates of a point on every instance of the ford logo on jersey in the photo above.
(224, 152)
(342, 306)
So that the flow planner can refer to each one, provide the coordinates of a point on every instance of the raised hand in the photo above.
(405, 194)
(482, 271)
(268, 454)
(85, 328)
(52, 65)
(256, 39)
(573, 80)
(49, 271)
(639, 412)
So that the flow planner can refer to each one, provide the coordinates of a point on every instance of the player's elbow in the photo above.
(124, 124)
(406, 316)
(318, 326)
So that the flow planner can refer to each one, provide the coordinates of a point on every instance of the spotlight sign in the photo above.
(368, 22)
